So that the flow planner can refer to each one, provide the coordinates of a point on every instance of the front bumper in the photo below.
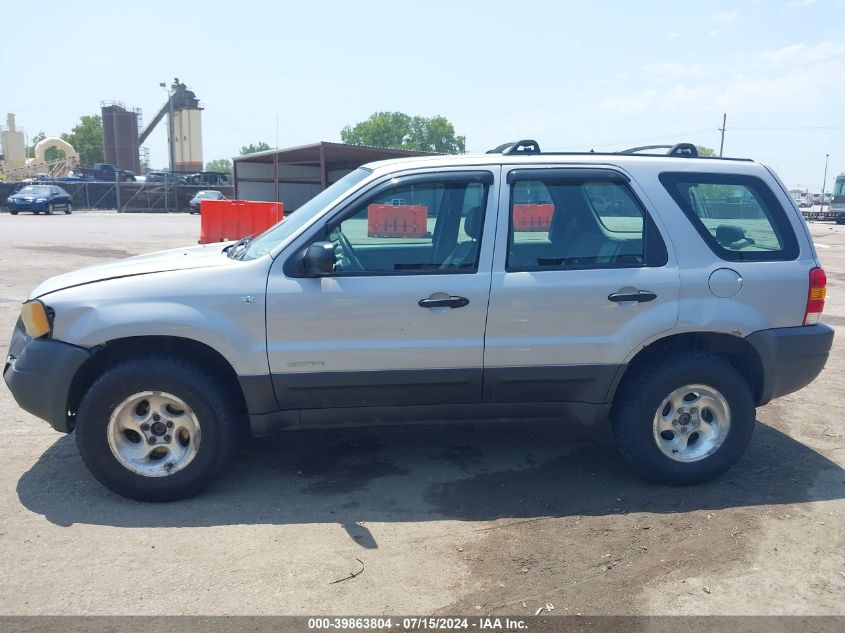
(791, 357)
(27, 206)
(39, 374)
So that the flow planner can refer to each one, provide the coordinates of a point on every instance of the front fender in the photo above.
(221, 308)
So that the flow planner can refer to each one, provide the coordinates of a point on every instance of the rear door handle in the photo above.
(640, 296)
(451, 302)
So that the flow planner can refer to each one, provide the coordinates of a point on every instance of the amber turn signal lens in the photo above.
(34, 317)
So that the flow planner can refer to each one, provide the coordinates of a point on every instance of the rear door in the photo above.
(582, 277)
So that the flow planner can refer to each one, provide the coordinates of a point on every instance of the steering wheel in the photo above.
(348, 260)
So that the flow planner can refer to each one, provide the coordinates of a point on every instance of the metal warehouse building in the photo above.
(296, 174)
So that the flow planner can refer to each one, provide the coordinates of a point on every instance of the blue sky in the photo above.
(573, 75)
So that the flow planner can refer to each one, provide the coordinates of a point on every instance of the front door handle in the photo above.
(640, 296)
(449, 302)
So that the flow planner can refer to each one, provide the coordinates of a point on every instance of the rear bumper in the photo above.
(791, 357)
(39, 374)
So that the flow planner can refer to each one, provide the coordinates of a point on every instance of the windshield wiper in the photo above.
(239, 247)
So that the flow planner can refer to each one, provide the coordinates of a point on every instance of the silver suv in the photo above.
(664, 295)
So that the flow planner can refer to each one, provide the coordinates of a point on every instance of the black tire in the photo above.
(640, 396)
(68, 209)
(13, 211)
(211, 400)
(50, 209)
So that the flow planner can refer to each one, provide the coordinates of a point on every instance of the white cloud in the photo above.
(725, 16)
(714, 33)
(673, 35)
(672, 69)
(750, 94)
(804, 53)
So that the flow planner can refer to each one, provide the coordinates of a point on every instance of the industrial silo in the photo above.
(120, 136)
(186, 129)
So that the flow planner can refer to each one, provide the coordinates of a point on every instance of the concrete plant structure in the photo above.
(15, 164)
(13, 146)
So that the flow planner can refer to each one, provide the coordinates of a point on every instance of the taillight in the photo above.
(815, 296)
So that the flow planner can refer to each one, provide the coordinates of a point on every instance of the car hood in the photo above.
(162, 261)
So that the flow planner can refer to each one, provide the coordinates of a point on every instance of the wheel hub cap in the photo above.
(154, 434)
(691, 423)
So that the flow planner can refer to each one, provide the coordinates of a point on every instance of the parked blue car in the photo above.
(40, 198)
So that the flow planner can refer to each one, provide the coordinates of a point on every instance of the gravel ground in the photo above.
(471, 518)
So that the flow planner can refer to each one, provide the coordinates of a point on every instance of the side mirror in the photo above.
(319, 259)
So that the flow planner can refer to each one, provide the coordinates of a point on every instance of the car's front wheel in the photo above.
(69, 208)
(157, 429)
(13, 211)
(50, 209)
(685, 419)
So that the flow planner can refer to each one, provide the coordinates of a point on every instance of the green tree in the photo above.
(252, 148)
(87, 139)
(221, 164)
(30, 149)
(401, 131)
(703, 150)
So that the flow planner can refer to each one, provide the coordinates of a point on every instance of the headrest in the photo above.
(472, 223)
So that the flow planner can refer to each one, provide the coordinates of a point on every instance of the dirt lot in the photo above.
(444, 519)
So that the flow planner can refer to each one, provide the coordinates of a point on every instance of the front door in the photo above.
(400, 320)
(582, 279)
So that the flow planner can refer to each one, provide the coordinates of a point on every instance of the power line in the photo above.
(792, 127)
(643, 139)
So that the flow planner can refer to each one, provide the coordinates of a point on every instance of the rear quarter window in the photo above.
(738, 216)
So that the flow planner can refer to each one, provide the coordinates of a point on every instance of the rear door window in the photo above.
(738, 216)
(565, 221)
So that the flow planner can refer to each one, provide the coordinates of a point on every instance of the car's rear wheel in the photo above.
(157, 429)
(13, 211)
(685, 419)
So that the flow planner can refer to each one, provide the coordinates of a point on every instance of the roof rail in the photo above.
(686, 150)
(525, 146)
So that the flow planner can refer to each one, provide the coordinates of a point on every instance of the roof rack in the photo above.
(525, 146)
(685, 150)
(530, 146)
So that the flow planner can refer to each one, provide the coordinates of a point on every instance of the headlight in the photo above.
(41, 199)
(35, 319)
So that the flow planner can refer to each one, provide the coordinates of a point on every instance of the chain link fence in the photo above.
(126, 197)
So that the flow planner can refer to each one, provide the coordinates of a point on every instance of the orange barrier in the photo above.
(224, 220)
(387, 220)
(532, 217)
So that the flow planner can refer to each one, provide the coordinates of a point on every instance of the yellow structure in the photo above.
(13, 146)
(187, 145)
(15, 164)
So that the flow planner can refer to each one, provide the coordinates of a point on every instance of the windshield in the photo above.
(275, 235)
(209, 194)
(38, 191)
(839, 188)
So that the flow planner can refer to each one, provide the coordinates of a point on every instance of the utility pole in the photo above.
(824, 180)
(722, 130)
